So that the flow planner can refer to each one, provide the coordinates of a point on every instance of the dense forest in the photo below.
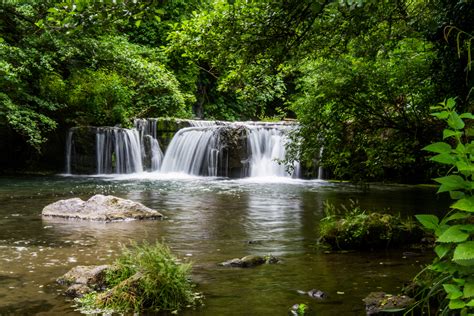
(358, 75)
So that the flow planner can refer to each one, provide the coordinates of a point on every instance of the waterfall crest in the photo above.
(199, 148)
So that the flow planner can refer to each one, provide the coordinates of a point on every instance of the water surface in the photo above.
(208, 220)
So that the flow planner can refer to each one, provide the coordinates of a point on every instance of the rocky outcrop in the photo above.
(101, 208)
(377, 303)
(249, 261)
(84, 279)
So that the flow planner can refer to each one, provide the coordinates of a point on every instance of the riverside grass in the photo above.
(146, 277)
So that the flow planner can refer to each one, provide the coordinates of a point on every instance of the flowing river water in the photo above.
(208, 220)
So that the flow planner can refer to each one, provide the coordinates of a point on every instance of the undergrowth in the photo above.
(145, 277)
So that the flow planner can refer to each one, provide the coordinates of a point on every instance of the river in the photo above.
(208, 220)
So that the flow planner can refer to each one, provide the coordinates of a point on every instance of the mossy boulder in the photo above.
(84, 279)
(364, 230)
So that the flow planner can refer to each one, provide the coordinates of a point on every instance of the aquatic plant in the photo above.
(353, 227)
(452, 271)
(145, 277)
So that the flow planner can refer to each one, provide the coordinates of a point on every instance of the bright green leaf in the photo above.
(441, 115)
(451, 182)
(442, 249)
(456, 195)
(450, 133)
(467, 116)
(464, 253)
(444, 159)
(455, 122)
(456, 304)
(453, 234)
(468, 290)
(464, 204)
(427, 220)
(439, 147)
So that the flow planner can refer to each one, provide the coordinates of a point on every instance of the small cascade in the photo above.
(267, 149)
(151, 152)
(194, 151)
(118, 150)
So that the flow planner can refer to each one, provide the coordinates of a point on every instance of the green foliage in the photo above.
(368, 112)
(145, 278)
(356, 228)
(455, 249)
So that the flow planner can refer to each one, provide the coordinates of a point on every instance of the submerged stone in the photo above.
(250, 261)
(100, 207)
(380, 303)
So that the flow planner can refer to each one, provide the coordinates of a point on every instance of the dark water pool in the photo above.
(208, 221)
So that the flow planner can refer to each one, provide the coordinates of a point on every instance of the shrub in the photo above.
(356, 228)
(146, 277)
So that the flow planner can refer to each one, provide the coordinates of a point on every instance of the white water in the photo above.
(191, 150)
(118, 151)
(197, 151)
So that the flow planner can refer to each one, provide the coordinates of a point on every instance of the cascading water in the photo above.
(194, 151)
(118, 150)
(151, 152)
(206, 148)
(267, 150)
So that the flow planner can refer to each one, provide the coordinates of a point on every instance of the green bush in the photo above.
(356, 228)
(145, 277)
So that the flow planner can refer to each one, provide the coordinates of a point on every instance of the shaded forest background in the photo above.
(359, 76)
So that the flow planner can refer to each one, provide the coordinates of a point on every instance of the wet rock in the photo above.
(84, 279)
(78, 290)
(376, 303)
(313, 293)
(250, 261)
(100, 207)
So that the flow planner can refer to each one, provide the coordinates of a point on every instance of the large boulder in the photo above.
(100, 207)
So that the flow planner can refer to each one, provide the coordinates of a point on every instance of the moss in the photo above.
(356, 228)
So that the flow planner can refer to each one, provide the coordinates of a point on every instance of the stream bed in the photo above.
(208, 220)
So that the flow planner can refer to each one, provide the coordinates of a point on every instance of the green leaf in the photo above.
(464, 254)
(457, 215)
(456, 195)
(453, 234)
(467, 116)
(450, 133)
(441, 115)
(450, 103)
(439, 147)
(468, 290)
(471, 303)
(456, 304)
(138, 22)
(444, 159)
(463, 166)
(455, 122)
(428, 221)
(442, 249)
(453, 291)
(464, 204)
(451, 182)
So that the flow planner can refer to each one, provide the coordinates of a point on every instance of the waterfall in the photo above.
(69, 151)
(118, 150)
(203, 148)
(267, 149)
(151, 152)
(194, 151)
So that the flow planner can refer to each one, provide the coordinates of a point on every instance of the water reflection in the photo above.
(207, 221)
